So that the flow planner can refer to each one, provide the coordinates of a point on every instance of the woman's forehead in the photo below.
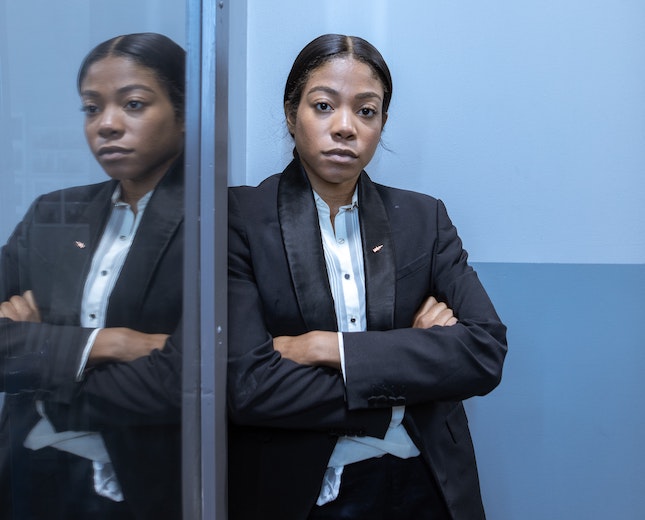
(344, 72)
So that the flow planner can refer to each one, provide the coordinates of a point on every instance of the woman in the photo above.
(92, 276)
(356, 326)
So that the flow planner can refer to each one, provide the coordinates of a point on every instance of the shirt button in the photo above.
(341, 240)
(353, 320)
(104, 272)
(122, 237)
(93, 316)
(347, 277)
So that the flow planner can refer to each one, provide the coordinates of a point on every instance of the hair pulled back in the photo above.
(151, 50)
(325, 48)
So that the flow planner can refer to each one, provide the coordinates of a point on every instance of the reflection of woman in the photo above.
(366, 422)
(91, 276)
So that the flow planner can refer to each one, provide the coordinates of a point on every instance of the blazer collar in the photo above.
(77, 238)
(162, 217)
(378, 256)
(303, 245)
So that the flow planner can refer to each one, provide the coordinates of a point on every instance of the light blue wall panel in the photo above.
(562, 437)
(527, 118)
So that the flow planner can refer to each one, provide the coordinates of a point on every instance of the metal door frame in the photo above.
(204, 474)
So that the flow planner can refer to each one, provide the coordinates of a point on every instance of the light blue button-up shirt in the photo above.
(343, 252)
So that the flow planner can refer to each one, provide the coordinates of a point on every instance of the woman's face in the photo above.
(130, 124)
(338, 123)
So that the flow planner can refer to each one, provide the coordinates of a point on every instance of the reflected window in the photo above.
(91, 218)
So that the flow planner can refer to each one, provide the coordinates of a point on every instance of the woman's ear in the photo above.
(290, 116)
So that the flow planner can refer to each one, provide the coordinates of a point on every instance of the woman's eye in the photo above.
(89, 109)
(323, 107)
(134, 105)
(367, 112)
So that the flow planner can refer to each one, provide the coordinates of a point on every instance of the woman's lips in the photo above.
(341, 154)
(113, 152)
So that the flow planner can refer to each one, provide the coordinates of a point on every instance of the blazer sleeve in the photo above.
(265, 389)
(33, 356)
(144, 391)
(408, 366)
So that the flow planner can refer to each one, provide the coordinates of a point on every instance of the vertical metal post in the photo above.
(204, 475)
(7, 129)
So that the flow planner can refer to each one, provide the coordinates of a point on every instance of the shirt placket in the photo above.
(119, 240)
(352, 297)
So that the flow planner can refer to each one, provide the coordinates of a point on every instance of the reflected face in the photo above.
(338, 123)
(130, 123)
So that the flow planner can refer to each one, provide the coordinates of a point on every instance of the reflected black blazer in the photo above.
(285, 417)
(135, 405)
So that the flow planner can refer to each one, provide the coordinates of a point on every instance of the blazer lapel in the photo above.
(378, 256)
(78, 234)
(161, 220)
(303, 245)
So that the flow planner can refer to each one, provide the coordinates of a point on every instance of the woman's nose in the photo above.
(110, 122)
(344, 123)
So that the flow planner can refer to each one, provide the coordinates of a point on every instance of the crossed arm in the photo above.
(110, 344)
(135, 378)
(316, 348)
(320, 348)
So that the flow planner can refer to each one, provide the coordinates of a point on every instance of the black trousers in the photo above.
(385, 488)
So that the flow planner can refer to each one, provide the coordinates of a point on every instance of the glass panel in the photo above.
(42, 149)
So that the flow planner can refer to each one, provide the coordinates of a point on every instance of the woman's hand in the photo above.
(316, 348)
(433, 312)
(123, 344)
(20, 308)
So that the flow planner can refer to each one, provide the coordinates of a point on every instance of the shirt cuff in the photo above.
(341, 351)
(86, 354)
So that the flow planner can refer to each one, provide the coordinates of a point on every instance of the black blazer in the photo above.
(134, 405)
(285, 417)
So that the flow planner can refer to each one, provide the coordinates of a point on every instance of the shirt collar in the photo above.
(322, 206)
(141, 203)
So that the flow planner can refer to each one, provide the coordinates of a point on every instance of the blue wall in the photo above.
(528, 120)
(562, 436)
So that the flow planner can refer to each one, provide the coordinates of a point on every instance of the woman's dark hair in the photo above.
(325, 48)
(154, 51)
